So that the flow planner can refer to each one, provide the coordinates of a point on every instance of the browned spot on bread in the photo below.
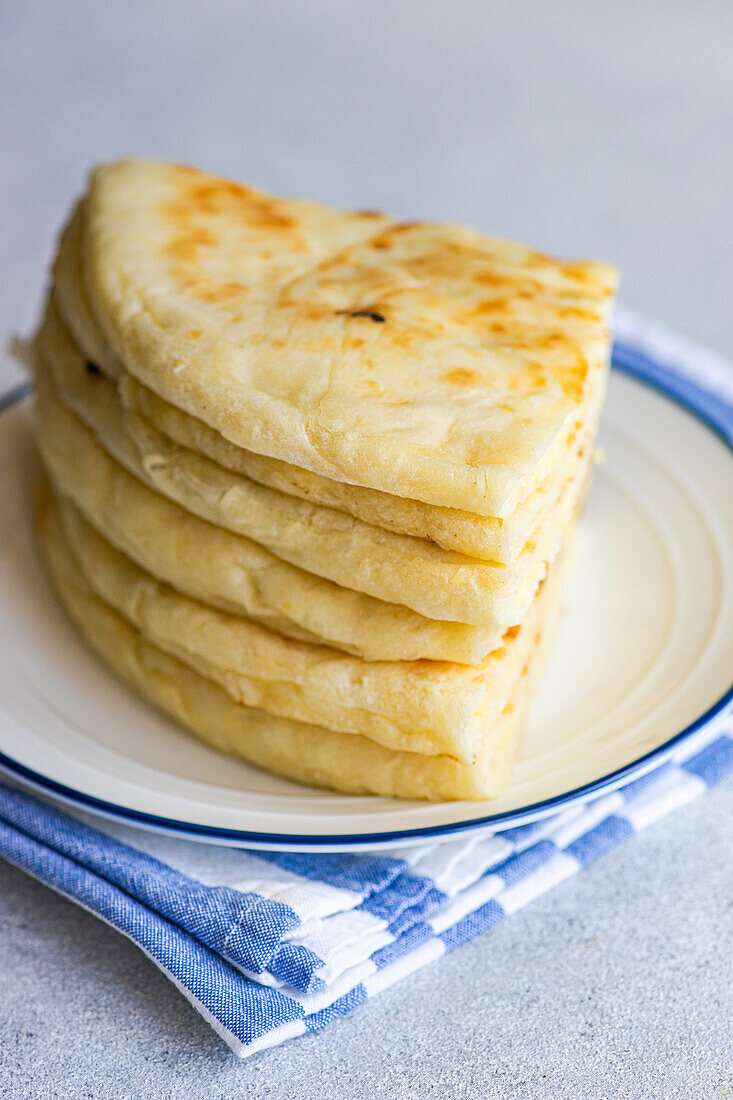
(546, 341)
(369, 388)
(483, 314)
(202, 203)
(215, 291)
(521, 285)
(183, 249)
(263, 213)
(461, 377)
(579, 272)
(571, 378)
(489, 278)
(214, 196)
(233, 200)
(459, 248)
(194, 334)
(386, 239)
(216, 188)
(176, 212)
(369, 214)
(402, 227)
(540, 259)
(537, 373)
(401, 338)
(313, 311)
(577, 311)
(490, 305)
(572, 372)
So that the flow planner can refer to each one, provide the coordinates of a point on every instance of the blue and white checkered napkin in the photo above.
(268, 945)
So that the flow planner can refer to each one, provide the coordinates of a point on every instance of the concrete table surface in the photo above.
(586, 129)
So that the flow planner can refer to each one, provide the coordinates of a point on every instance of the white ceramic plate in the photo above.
(644, 657)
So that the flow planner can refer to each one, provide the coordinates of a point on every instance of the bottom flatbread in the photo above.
(305, 753)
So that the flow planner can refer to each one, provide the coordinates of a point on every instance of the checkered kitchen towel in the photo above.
(270, 945)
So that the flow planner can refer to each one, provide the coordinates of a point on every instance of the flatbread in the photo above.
(416, 706)
(229, 571)
(485, 537)
(436, 583)
(426, 361)
(306, 753)
(70, 296)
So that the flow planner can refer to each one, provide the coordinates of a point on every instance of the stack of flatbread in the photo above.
(312, 476)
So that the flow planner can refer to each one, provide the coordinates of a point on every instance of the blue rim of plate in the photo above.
(712, 411)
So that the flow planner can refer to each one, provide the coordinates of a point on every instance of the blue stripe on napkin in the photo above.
(195, 932)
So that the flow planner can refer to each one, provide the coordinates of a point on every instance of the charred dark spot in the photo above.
(371, 314)
(91, 368)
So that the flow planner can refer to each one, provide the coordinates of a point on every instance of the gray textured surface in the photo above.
(584, 128)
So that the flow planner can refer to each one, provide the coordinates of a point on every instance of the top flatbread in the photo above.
(488, 538)
(427, 361)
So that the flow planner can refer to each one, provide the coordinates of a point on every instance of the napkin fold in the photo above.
(269, 945)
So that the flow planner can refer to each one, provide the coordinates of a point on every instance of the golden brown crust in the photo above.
(427, 361)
